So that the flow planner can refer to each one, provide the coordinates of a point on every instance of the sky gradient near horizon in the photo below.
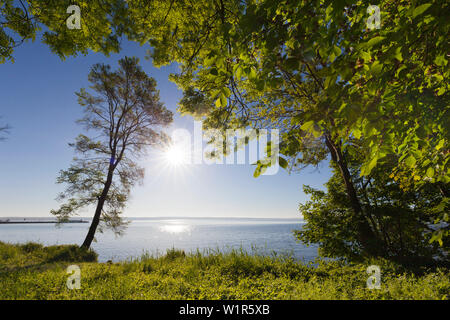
(38, 101)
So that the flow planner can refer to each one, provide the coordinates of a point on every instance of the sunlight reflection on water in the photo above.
(175, 228)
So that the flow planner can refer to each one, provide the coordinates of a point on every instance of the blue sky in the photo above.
(38, 101)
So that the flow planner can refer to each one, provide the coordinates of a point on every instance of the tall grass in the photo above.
(207, 274)
(13, 256)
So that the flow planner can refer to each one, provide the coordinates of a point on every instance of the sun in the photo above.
(176, 155)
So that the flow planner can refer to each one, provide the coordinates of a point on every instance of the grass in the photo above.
(15, 257)
(32, 271)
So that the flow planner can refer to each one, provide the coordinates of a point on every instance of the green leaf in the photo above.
(357, 133)
(398, 54)
(437, 236)
(257, 172)
(208, 61)
(330, 80)
(376, 67)
(337, 51)
(440, 60)
(366, 56)
(410, 161)
(312, 128)
(283, 163)
(420, 9)
(367, 168)
(372, 42)
(252, 74)
(218, 103)
(238, 73)
(307, 125)
(397, 73)
(226, 91)
(371, 165)
(430, 172)
(223, 100)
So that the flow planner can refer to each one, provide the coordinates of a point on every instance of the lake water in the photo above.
(156, 235)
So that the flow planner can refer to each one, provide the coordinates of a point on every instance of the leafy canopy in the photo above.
(102, 25)
(315, 70)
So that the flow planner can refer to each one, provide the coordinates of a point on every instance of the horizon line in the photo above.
(157, 217)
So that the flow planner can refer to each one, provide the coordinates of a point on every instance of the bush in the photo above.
(395, 224)
(70, 253)
(28, 254)
(30, 247)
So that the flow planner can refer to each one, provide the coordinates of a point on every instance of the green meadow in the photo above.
(32, 271)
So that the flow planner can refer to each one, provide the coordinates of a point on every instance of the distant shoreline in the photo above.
(41, 222)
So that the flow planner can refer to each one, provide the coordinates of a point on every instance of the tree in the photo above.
(16, 26)
(316, 71)
(102, 25)
(403, 222)
(126, 116)
(258, 68)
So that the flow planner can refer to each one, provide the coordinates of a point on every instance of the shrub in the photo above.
(70, 253)
(31, 253)
(30, 247)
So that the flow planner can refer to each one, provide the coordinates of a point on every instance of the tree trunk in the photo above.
(98, 211)
(366, 234)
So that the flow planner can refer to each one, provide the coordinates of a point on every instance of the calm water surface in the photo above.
(155, 236)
